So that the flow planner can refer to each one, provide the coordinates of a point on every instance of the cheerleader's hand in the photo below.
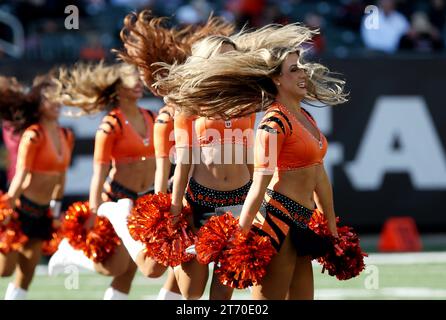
(175, 210)
(89, 223)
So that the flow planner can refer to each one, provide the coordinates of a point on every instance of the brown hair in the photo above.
(93, 87)
(240, 82)
(148, 40)
(21, 108)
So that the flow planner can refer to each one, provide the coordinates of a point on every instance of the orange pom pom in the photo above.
(5, 206)
(151, 223)
(244, 260)
(213, 236)
(345, 258)
(49, 247)
(72, 226)
(99, 243)
(11, 236)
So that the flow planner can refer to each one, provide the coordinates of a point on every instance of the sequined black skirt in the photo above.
(279, 215)
(205, 202)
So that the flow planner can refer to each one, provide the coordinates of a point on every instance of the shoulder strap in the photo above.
(309, 114)
(280, 118)
(115, 123)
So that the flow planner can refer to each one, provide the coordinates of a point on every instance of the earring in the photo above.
(278, 83)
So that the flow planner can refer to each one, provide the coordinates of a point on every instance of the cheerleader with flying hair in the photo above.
(35, 193)
(163, 44)
(213, 184)
(189, 128)
(146, 41)
(124, 164)
(289, 179)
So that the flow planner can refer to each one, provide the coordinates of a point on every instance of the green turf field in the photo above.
(391, 276)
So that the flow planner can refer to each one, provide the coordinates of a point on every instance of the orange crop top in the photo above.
(37, 153)
(296, 147)
(116, 140)
(164, 138)
(193, 131)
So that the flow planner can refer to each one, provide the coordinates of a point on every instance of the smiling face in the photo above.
(49, 109)
(292, 81)
(133, 90)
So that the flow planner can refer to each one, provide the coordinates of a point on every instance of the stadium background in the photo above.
(387, 144)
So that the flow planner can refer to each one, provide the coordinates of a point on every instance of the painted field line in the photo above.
(406, 258)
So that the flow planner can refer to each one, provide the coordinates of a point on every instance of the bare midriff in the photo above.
(223, 175)
(137, 176)
(38, 187)
(296, 184)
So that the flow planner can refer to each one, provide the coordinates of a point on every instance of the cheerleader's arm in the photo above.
(323, 196)
(254, 199)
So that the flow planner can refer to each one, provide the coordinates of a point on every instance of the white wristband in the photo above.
(56, 207)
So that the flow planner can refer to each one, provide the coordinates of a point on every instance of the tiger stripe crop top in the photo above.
(118, 142)
(284, 143)
(37, 153)
(201, 131)
(164, 138)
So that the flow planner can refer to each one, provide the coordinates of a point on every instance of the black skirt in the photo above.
(204, 201)
(35, 219)
(279, 215)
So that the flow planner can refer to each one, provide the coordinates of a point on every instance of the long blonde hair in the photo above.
(148, 40)
(93, 87)
(239, 82)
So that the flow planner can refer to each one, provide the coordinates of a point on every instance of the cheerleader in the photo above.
(218, 175)
(164, 148)
(289, 177)
(37, 188)
(146, 41)
(124, 163)
(219, 151)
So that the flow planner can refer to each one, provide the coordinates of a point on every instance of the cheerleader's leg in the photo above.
(218, 290)
(170, 290)
(279, 274)
(7, 263)
(302, 284)
(28, 258)
(123, 282)
(192, 278)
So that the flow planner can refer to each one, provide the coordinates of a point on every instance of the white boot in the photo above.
(113, 294)
(66, 255)
(14, 293)
(117, 213)
(168, 295)
(191, 250)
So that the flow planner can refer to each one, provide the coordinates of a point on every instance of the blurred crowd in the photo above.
(402, 25)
